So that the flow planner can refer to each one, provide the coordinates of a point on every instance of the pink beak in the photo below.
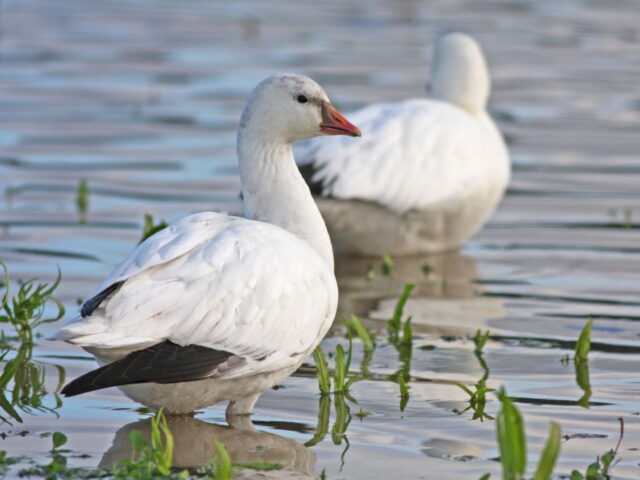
(334, 123)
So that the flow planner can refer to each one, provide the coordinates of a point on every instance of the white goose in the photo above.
(427, 174)
(217, 307)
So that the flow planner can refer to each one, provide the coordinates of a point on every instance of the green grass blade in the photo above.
(511, 439)
(480, 340)
(387, 265)
(407, 332)
(549, 454)
(395, 322)
(340, 374)
(322, 370)
(221, 461)
(583, 346)
(353, 322)
(82, 196)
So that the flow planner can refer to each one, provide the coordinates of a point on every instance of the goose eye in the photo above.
(302, 99)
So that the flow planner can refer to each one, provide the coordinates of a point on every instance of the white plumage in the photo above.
(220, 282)
(254, 295)
(439, 166)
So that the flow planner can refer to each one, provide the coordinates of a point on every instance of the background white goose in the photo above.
(427, 174)
(217, 307)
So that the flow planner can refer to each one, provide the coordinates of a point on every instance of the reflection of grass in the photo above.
(342, 420)
(28, 378)
(151, 460)
(24, 312)
(581, 363)
(582, 379)
(478, 396)
(342, 381)
(401, 337)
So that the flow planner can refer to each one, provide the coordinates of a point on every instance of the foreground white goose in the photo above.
(217, 307)
(427, 174)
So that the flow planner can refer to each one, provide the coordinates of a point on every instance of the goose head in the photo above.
(286, 108)
(459, 74)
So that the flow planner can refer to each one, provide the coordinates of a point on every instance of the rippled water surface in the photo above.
(142, 99)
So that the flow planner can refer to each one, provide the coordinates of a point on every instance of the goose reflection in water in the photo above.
(447, 300)
(195, 444)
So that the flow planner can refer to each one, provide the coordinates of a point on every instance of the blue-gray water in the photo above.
(142, 99)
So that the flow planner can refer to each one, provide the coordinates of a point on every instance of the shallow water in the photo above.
(142, 99)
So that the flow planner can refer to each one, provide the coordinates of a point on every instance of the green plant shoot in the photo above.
(511, 439)
(150, 228)
(583, 346)
(322, 369)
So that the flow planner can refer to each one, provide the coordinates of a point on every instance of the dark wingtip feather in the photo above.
(165, 362)
(90, 305)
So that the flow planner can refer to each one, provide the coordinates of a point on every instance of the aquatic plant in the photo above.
(150, 460)
(404, 393)
(82, 199)
(150, 228)
(581, 369)
(22, 380)
(342, 381)
(25, 310)
(387, 265)
(322, 370)
(426, 269)
(478, 396)
(583, 345)
(57, 467)
(512, 444)
(599, 470)
(480, 339)
(22, 384)
(581, 363)
(341, 423)
(221, 463)
(477, 399)
(394, 324)
(354, 325)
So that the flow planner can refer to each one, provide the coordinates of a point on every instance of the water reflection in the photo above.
(582, 379)
(195, 444)
(22, 384)
(447, 297)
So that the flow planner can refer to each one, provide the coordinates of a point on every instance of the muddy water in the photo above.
(142, 97)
